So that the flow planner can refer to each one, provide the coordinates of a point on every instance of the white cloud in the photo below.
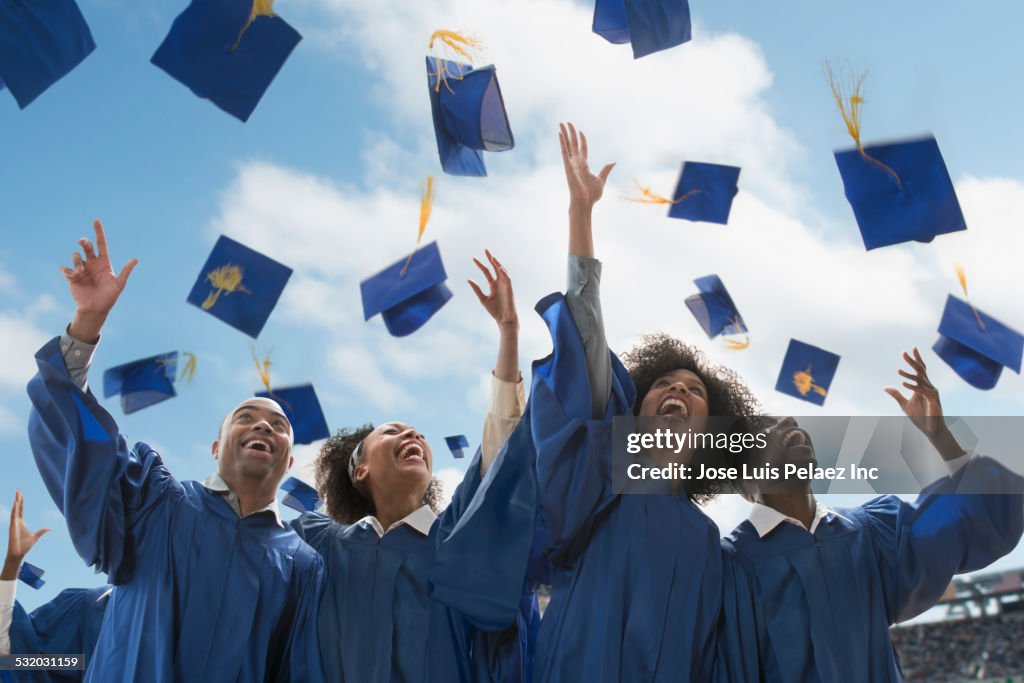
(727, 511)
(21, 340)
(450, 478)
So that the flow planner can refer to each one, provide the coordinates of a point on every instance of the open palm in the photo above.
(923, 406)
(20, 540)
(94, 286)
(584, 187)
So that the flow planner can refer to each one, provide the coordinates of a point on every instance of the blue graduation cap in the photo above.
(302, 408)
(649, 25)
(705, 192)
(457, 445)
(807, 372)
(227, 51)
(469, 115)
(239, 285)
(977, 347)
(406, 301)
(713, 308)
(299, 495)
(32, 575)
(900, 192)
(40, 43)
(142, 383)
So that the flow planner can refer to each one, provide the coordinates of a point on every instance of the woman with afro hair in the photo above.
(415, 593)
(636, 579)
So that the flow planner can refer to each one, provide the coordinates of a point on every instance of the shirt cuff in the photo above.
(508, 399)
(8, 593)
(584, 274)
(956, 464)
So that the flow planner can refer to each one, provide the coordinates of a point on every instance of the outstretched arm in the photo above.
(19, 541)
(94, 286)
(507, 396)
(924, 408)
(583, 290)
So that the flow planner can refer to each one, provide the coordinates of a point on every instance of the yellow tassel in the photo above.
(734, 327)
(260, 8)
(649, 196)
(961, 274)
(189, 369)
(852, 117)
(227, 279)
(453, 46)
(426, 205)
(263, 368)
(804, 383)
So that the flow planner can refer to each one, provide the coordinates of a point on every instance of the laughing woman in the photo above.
(412, 591)
(637, 579)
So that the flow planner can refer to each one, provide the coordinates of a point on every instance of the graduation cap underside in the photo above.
(406, 302)
(900, 192)
(142, 383)
(807, 372)
(31, 575)
(302, 408)
(40, 43)
(227, 51)
(469, 115)
(239, 285)
(714, 309)
(648, 25)
(299, 495)
(457, 445)
(977, 347)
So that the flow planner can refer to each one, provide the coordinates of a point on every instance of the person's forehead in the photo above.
(682, 374)
(260, 405)
(391, 424)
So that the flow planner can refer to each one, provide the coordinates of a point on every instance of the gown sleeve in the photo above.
(301, 660)
(740, 641)
(483, 537)
(920, 546)
(574, 451)
(107, 492)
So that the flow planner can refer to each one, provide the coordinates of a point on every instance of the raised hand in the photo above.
(94, 286)
(499, 301)
(585, 188)
(20, 540)
(922, 406)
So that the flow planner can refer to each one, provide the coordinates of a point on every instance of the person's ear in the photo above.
(215, 449)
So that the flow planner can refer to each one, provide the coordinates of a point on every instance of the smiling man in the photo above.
(212, 586)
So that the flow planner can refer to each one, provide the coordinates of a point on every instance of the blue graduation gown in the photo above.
(412, 608)
(804, 608)
(636, 579)
(68, 624)
(201, 594)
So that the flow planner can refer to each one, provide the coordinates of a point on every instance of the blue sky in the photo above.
(326, 173)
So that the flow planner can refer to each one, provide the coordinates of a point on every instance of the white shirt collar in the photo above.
(764, 519)
(216, 483)
(421, 519)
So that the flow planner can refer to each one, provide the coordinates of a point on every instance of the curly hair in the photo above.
(345, 503)
(728, 396)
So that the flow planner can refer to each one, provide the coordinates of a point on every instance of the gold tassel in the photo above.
(189, 369)
(961, 274)
(260, 8)
(804, 383)
(226, 279)
(455, 46)
(649, 196)
(263, 368)
(852, 117)
(734, 327)
(426, 205)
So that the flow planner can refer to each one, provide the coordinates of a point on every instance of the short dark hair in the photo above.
(343, 502)
(728, 396)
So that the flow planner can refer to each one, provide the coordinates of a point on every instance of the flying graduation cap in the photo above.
(299, 403)
(899, 191)
(299, 495)
(457, 445)
(467, 108)
(648, 25)
(407, 293)
(227, 51)
(32, 575)
(239, 286)
(146, 382)
(715, 311)
(807, 372)
(975, 345)
(40, 43)
(704, 193)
